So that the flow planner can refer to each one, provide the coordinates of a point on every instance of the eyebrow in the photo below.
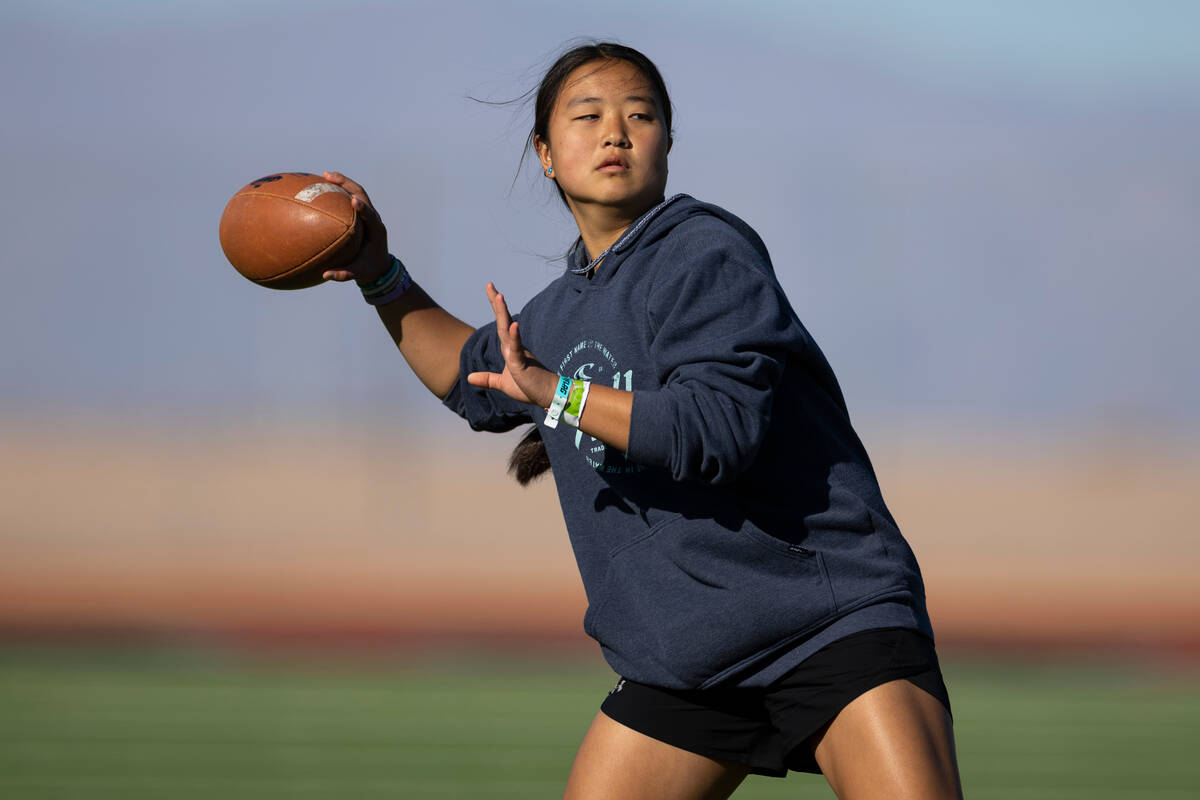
(634, 98)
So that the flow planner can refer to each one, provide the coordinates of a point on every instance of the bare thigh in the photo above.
(618, 762)
(894, 741)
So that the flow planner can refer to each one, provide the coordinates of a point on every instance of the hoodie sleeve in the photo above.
(484, 409)
(721, 334)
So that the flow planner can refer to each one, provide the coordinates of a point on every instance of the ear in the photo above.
(543, 151)
(670, 142)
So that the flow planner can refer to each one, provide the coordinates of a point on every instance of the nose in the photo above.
(616, 136)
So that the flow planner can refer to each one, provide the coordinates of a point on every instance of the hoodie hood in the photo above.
(651, 226)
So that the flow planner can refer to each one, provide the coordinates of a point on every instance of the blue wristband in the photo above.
(393, 284)
(384, 279)
(559, 401)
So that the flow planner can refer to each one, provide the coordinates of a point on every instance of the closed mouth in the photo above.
(613, 162)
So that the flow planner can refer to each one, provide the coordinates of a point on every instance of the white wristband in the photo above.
(573, 412)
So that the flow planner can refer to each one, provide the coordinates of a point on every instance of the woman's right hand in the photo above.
(372, 259)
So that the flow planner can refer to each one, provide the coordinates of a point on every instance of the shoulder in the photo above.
(698, 216)
(713, 265)
(707, 237)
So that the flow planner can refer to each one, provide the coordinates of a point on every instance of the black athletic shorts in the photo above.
(768, 729)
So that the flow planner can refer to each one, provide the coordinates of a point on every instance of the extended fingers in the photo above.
(499, 308)
(507, 330)
(514, 340)
(366, 211)
(358, 197)
(355, 189)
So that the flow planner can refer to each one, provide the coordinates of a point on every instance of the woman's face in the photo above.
(608, 140)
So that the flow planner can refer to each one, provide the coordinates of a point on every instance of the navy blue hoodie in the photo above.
(744, 527)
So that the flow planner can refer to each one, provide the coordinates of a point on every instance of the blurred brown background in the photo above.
(364, 539)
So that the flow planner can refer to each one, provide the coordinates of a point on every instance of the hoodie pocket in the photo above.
(692, 599)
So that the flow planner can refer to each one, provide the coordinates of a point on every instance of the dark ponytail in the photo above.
(528, 459)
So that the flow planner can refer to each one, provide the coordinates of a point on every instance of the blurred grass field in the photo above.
(179, 723)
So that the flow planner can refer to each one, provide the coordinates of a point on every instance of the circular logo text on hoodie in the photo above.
(590, 360)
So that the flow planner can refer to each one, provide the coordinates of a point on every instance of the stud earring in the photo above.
(549, 172)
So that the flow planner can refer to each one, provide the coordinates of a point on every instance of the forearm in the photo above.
(429, 337)
(606, 415)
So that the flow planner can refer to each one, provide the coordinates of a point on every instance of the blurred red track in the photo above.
(240, 539)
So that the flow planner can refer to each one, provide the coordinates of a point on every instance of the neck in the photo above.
(601, 226)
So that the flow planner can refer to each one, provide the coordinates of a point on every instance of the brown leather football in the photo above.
(284, 230)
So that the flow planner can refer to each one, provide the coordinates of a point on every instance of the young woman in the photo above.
(743, 574)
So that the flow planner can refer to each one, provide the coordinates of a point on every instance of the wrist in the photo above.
(548, 386)
(389, 286)
(371, 278)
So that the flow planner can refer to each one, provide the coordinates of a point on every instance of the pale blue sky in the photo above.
(985, 212)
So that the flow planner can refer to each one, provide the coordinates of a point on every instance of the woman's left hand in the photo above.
(523, 378)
